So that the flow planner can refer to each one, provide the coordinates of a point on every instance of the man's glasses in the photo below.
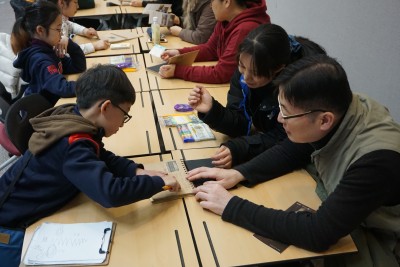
(127, 117)
(286, 117)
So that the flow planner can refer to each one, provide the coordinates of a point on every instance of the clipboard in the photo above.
(185, 59)
(103, 249)
(113, 37)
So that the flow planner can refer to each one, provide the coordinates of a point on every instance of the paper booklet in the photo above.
(178, 168)
(185, 59)
(70, 244)
(156, 7)
(113, 37)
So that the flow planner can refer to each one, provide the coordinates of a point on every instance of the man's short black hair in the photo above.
(316, 82)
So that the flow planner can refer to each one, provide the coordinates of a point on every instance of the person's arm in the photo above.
(369, 183)
(75, 28)
(101, 181)
(204, 28)
(282, 158)
(87, 48)
(229, 120)
(207, 51)
(49, 79)
(227, 63)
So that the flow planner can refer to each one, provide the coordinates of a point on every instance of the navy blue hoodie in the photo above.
(68, 158)
(43, 70)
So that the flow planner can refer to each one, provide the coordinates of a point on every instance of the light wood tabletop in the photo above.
(146, 234)
(108, 35)
(101, 9)
(138, 78)
(224, 244)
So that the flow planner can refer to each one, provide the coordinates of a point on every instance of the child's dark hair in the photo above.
(306, 48)
(268, 46)
(243, 3)
(41, 13)
(104, 82)
(316, 82)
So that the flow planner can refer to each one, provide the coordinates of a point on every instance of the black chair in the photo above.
(5, 102)
(17, 118)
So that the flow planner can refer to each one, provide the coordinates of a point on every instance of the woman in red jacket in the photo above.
(236, 18)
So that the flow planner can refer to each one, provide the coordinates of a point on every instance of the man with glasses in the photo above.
(356, 154)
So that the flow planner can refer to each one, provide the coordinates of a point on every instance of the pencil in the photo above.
(167, 187)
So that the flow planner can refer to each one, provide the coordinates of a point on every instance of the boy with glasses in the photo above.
(356, 154)
(66, 156)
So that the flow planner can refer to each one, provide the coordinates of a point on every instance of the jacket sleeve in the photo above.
(227, 63)
(282, 158)
(76, 62)
(49, 79)
(229, 120)
(109, 180)
(369, 183)
(87, 48)
(204, 28)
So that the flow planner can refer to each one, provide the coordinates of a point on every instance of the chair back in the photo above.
(5, 100)
(17, 123)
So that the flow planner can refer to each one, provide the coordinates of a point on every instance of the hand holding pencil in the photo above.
(170, 181)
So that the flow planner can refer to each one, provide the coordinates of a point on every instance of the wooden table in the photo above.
(138, 78)
(156, 82)
(164, 101)
(134, 49)
(145, 235)
(224, 244)
(101, 10)
(139, 135)
(103, 13)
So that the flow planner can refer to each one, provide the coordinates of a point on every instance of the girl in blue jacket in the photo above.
(35, 37)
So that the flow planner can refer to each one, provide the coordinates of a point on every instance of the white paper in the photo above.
(157, 50)
(78, 243)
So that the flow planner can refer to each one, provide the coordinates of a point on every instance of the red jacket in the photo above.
(222, 46)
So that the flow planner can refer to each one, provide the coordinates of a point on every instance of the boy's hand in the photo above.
(171, 183)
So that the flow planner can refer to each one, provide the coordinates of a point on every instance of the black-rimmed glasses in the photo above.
(57, 30)
(286, 117)
(127, 117)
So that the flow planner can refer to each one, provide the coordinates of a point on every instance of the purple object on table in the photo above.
(183, 107)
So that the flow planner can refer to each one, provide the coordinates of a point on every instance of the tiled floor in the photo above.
(7, 19)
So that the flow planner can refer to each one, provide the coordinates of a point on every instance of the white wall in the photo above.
(364, 35)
